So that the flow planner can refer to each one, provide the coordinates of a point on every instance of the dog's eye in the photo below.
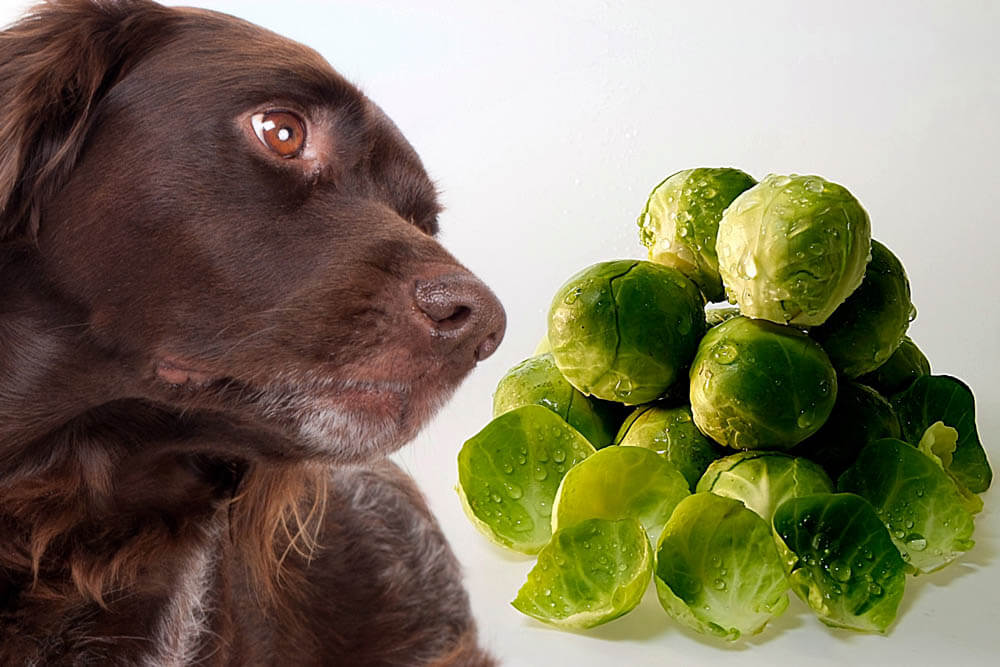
(281, 131)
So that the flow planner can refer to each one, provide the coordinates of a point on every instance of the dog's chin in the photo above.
(327, 418)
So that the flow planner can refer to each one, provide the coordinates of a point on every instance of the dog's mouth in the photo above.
(351, 418)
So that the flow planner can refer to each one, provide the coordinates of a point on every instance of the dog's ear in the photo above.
(55, 65)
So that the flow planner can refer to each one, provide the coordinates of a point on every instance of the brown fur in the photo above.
(205, 352)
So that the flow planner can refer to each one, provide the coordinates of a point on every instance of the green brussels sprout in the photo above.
(759, 385)
(589, 573)
(618, 483)
(680, 222)
(543, 346)
(625, 330)
(916, 499)
(793, 248)
(764, 480)
(509, 472)
(933, 398)
(860, 416)
(842, 562)
(718, 570)
(671, 433)
(869, 326)
(904, 366)
(537, 381)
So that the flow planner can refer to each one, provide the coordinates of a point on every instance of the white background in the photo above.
(545, 125)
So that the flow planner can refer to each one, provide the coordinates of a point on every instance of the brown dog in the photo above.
(221, 304)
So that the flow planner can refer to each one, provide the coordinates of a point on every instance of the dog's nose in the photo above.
(462, 310)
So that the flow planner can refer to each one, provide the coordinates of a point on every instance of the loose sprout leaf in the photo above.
(764, 480)
(717, 568)
(933, 398)
(917, 501)
(509, 472)
(589, 573)
(671, 433)
(617, 483)
(939, 443)
(537, 381)
(847, 568)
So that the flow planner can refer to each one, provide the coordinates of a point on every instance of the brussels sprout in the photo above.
(764, 480)
(792, 248)
(543, 347)
(509, 472)
(842, 562)
(917, 501)
(717, 568)
(618, 483)
(589, 573)
(904, 366)
(869, 326)
(933, 398)
(756, 385)
(625, 330)
(671, 433)
(680, 222)
(537, 381)
(859, 416)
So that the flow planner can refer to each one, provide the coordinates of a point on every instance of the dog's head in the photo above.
(241, 229)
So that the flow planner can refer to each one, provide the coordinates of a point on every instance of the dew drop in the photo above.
(916, 543)
(719, 585)
(814, 185)
(514, 491)
(840, 572)
(496, 498)
(725, 353)
(540, 473)
(508, 468)
(558, 455)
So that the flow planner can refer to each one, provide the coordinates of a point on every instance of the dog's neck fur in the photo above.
(62, 468)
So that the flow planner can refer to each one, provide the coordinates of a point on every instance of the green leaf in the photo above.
(847, 570)
(589, 573)
(919, 503)
(942, 398)
(509, 472)
(618, 483)
(717, 568)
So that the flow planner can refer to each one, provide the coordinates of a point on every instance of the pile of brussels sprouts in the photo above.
(795, 441)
